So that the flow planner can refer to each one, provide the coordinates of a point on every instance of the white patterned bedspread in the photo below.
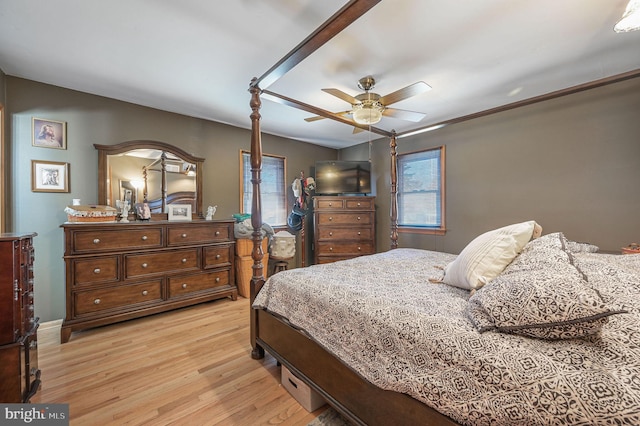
(382, 316)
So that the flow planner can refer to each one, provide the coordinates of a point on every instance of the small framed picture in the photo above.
(49, 133)
(49, 176)
(179, 211)
(143, 211)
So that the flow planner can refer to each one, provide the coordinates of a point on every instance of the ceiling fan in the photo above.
(368, 107)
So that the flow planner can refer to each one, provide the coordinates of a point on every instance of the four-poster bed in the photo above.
(310, 320)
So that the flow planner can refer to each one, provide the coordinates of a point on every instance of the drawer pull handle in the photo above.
(145, 238)
(358, 204)
(358, 217)
(96, 302)
(217, 233)
(330, 217)
(144, 265)
(96, 241)
(218, 256)
(330, 204)
(330, 248)
(359, 249)
(184, 235)
(145, 292)
(217, 279)
(184, 285)
(359, 233)
(184, 260)
(96, 271)
(331, 234)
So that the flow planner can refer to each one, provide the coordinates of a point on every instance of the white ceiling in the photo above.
(197, 57)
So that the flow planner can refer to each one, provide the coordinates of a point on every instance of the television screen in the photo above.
(343, 177)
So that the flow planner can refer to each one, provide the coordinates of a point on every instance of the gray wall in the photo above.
(571, 163)
(2, 146)
(93, 119)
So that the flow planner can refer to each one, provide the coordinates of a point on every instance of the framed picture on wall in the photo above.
(49, 133)
(179, 211)
(49, 176)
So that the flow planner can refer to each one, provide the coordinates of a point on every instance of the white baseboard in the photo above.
(50, 324)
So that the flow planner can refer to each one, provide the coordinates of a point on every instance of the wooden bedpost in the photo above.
(257, 279)
(394, 192)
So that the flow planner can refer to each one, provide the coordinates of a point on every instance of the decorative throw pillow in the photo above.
(540, 294)
(488, 254)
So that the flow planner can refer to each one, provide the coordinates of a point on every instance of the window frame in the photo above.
(283, 194)
(427, 230)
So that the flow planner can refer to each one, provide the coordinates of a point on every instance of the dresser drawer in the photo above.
(330, 259)
(206, 233)
(180, 286)
(359, 204)
(357, 248)
(335, 218)
(217, 256)
(109, 240)
(92, 301)
(96, 270)
(357, 234)
(331, 203)
(137, 265)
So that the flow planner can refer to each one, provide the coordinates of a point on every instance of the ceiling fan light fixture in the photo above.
(367, 112)
(630, 19)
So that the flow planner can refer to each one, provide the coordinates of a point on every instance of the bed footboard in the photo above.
(355, 398)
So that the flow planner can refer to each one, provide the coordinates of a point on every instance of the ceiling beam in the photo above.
(284, 100)
(329, 29)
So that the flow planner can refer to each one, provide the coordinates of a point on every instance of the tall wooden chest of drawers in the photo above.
(119, 271)
(343, 227)
(19, 373)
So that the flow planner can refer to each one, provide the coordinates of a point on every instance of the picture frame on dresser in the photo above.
(179, 212)
(49, 176)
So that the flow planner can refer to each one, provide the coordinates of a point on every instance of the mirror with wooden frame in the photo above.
(154, 172)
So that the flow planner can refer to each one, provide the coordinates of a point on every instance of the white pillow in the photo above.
(487, 255)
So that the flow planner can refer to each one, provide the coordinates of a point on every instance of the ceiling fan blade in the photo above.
(318, 117)
(407, 92)
(403, 114)
(340, 94)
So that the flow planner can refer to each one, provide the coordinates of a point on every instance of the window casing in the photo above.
(421, 191)
(272, 188)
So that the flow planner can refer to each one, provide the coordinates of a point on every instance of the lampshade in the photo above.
(367, 112)
(630, 19)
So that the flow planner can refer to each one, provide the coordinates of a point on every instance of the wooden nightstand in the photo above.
(632, 248)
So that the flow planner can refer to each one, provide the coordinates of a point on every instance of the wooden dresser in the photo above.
(19, 373)
(119, 271)
(343, 227)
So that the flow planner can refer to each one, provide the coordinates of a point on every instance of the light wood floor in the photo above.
(191, 367)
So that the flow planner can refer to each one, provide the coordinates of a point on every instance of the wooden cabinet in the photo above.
(120, 271)
(19, 373)
(343, 227)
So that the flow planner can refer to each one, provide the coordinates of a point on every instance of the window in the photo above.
(421, 190)
(272, 188)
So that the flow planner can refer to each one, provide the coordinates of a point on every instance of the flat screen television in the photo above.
(335, 177)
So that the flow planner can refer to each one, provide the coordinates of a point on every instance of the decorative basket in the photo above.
(633, 248)
(283, 245)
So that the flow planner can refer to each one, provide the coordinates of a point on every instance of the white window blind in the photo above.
(272, 188)
(420, 196)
